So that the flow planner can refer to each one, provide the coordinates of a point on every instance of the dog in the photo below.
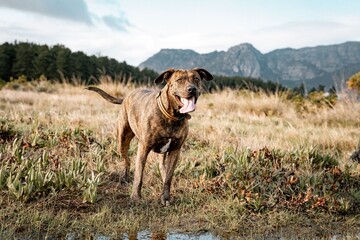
(159, 120)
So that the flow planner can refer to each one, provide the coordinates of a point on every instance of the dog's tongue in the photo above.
(189, 105)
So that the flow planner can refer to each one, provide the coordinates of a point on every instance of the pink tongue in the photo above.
(189, 105)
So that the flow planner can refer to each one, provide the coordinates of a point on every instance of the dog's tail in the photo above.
(105, 95)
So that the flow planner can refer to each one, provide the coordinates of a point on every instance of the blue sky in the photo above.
(134, 30)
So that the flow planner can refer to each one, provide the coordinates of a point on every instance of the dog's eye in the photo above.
(196, 79)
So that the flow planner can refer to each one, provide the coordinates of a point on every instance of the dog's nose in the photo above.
(192, 89)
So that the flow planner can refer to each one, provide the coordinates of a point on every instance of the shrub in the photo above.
(354, 82)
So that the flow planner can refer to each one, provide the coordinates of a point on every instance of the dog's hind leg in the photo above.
(125, 135)
(123, 148)
(140, 161)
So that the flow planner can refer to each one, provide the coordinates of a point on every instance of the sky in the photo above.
(134, 30)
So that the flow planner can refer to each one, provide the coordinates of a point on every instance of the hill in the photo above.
(313, 66)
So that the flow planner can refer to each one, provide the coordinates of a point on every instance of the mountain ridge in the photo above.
(319, 65)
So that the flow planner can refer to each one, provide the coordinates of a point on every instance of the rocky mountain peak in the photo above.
(169, 51)
(242, 47)
(291, 67)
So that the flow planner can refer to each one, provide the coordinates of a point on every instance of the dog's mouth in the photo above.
(187, 104)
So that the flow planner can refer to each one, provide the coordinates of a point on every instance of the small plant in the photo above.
(265, 179)
(90, 191)
(28, 178)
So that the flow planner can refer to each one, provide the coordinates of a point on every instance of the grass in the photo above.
(253, 165)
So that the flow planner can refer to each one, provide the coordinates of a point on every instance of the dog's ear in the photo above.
(204, 73)
(164, 76)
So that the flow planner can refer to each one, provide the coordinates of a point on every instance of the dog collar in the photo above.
(165, 113)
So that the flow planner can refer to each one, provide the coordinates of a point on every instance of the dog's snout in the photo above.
(192, 89)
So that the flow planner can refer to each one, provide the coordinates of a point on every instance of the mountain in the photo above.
(321, 65)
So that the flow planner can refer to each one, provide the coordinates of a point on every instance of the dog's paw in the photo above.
(135, 198)
(125, 179)
(165, 201)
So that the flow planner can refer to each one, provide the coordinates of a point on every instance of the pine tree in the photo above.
(7, 56)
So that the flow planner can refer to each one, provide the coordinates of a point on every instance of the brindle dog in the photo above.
(159, 120)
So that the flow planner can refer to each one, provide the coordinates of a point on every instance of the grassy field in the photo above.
(253, 165)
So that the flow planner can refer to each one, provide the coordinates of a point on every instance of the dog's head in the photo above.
(183, 87)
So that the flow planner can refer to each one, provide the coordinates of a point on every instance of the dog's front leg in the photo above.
(140, 161)
(167, 172)
(162, 166)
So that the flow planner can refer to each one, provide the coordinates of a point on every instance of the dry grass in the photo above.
(256, 120)
(236, 141)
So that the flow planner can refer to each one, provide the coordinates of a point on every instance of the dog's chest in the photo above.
(165, 137)
(164, 145)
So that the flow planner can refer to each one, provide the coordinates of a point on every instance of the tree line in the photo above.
(58, 62)
(252, 84)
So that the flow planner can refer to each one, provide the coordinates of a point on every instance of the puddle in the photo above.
(144, 235)
(147, 235)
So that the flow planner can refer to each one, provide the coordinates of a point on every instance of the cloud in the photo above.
(305, 33)
(75, 10)
(116, 23)
(106, 12)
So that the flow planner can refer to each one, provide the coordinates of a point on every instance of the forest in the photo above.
(58, 63)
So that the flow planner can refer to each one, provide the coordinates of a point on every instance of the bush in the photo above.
(354, 82)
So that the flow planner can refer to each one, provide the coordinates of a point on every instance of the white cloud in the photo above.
(117, 23)
(303, 34)
(75, 10)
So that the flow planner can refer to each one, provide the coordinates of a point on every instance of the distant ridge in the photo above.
(314, 66)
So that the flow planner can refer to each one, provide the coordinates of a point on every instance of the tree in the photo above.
(354, 82)
(300, 90)
(45, 62)
(63, 61)
(7, 56)
(81, 66)
(24, 60)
